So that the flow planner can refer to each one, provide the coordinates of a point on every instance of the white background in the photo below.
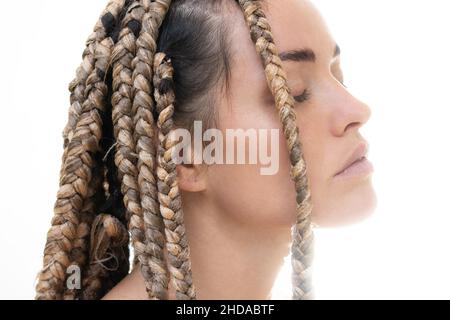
(395, 57)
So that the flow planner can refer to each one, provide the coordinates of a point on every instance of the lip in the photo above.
(357, 163)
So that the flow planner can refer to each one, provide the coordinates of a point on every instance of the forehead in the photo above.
(295, 24)
(298, 24)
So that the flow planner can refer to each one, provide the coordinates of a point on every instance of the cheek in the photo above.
(246, 196)
(243, 192)
(316, 146)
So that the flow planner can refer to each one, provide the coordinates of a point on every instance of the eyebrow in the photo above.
(304, 55)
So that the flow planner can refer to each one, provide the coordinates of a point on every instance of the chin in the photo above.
(347, 209)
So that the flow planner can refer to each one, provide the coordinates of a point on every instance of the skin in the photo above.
(237, 220)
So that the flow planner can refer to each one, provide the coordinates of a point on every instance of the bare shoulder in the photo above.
(132, 287)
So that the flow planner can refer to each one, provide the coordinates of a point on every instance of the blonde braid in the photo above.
(152, 261)
(122, 116)
(168, 192)
(78, 85)
(66, 240)
(99, 276)
(303, 237)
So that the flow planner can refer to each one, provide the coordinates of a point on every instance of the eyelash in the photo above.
(307, 94)
(303, 97)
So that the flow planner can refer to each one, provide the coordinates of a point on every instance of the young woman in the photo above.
(203, 231)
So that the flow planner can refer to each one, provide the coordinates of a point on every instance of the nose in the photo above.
(349, 113)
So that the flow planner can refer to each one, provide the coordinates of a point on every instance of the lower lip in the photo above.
(361, 168)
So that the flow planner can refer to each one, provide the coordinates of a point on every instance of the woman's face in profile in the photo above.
(328, 116)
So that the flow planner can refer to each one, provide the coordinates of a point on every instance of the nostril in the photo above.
(353, 125)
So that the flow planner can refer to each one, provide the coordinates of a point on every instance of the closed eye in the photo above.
(303, 97)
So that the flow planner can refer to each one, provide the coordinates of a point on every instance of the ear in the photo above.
(191, 178)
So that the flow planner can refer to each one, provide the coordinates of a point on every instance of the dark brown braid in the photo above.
(117, 175)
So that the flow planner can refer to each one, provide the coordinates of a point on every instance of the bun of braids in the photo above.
(117, 180)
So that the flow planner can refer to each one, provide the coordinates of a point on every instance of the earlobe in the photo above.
(191, 178)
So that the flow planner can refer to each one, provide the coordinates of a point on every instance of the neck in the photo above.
(231, 259)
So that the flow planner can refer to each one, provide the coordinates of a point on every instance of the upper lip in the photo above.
(358, 153)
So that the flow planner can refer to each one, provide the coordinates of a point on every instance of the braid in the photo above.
(66, 239)
(116, 173)
(303, 237)
(77, 86)
(98, 277)
(168, 192)
(151, 259)
(108, 258)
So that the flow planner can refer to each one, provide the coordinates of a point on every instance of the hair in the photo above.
(146, 69)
